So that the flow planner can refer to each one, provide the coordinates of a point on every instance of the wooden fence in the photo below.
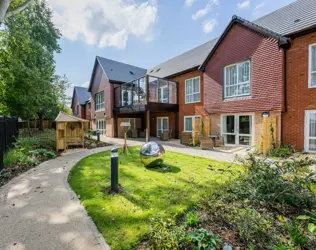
(9, 130)
(269, 137)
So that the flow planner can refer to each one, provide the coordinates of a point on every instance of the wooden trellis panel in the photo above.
(269, 134)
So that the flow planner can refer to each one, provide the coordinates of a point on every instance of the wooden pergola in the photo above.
(69, 131)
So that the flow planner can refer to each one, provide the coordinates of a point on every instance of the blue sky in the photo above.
(142, 33)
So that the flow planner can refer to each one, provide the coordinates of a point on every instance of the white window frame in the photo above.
(190, 116)
(238, 83)
(129, 97)
(310, 72)
(99, 105)
(129, 120)
(102, 130)
(236, 128)
(161, 99)
(306, 131)
(193, 93)
(159, 119)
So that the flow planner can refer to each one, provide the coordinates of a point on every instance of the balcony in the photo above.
(147, 93)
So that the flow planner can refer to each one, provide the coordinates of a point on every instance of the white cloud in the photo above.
(209, 25)
(85, 84)
(257, 10)
(208, 8)
(107, 23)
(244, 4)
(259, 6)
(189, 3)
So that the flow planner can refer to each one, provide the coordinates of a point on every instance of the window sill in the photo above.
(100, 110)
(192, 102)
(239, 98)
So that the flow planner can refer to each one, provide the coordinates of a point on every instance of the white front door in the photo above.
(237, 129)
(310, 131)
(162, 125)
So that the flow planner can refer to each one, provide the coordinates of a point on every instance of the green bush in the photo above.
(11, 158)
(27, 144)
(165, 234)
(204, 240)
(282, 151)
(192, 219)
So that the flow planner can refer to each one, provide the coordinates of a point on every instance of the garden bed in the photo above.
(25, 154)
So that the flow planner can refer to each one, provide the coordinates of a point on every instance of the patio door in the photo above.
(162, 125)
(310, 131)
(237, 129)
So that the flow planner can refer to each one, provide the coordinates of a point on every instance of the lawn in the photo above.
(124, 219)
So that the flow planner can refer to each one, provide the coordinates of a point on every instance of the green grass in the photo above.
(124, 219)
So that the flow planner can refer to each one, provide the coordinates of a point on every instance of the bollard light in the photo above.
(98, 135)
(114, 170)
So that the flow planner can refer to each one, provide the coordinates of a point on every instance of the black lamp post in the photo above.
(114, 170)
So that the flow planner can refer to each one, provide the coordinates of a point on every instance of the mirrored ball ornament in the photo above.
(152, 154)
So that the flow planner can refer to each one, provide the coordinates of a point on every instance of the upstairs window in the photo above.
(99, 101)
(192, 90)
(312, 66)
(237, 80)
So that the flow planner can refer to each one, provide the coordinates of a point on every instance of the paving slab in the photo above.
(39, 211)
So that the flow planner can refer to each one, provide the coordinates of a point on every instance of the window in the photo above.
(237, 80)
(188, 122)
(131, 121)
(192, 90)
(312, 66)
(101, 126)
(310, 131)
(99, 101)
(163, 94)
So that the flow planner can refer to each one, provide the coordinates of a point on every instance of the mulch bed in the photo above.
(91, 143)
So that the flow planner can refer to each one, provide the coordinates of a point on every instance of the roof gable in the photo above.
(283, 41)
(82, 94)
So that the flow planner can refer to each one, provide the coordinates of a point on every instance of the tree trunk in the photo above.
(41, 118)
(28, 127)
(4, 5)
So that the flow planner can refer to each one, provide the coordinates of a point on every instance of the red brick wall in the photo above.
(153, 122)
(299, 97)
(267, 60)
(189, 109)
(101, 83)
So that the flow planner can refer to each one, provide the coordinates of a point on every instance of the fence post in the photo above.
(1, 159)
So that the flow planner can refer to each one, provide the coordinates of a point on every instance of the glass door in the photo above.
(237, 130)
(229, 129)
(162, 125)
(245, 130)
(310, 131)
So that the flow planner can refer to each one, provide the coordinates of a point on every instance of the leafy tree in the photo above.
(29, 41)
(10, 8)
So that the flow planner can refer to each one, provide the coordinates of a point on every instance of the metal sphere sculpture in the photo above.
(152, 154)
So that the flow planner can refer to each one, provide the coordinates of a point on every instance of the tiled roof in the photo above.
(120, 72)
(295, 17)
(82, 94)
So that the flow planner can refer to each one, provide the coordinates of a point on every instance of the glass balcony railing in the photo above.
(146, 89)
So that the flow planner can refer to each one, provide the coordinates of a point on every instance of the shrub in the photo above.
(165, 234)
(274, 183)
(282, 151)
(11, 158)
(27, 144)
(297, 235)
(204, 240)
(192, 219)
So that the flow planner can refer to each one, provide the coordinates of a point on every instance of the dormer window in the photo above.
(237, 80)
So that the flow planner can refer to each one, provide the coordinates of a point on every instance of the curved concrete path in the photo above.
(39, 211)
